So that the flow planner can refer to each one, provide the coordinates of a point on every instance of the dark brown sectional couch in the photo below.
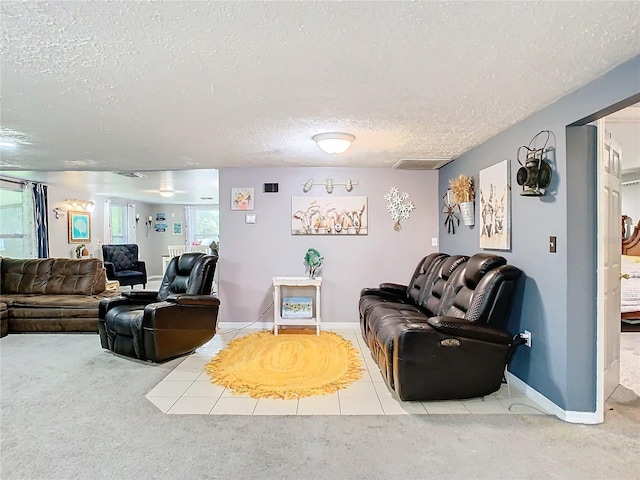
(51, 294)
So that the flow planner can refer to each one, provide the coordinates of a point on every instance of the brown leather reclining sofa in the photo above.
(442, 336)
(51, 294)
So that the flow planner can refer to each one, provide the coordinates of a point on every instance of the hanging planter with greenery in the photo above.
(463, 195)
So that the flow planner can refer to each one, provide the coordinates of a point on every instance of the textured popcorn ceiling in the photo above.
(170, 85)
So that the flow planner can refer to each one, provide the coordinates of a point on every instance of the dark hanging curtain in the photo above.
(42, 219)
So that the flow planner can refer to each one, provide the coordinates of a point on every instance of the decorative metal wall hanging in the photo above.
(534, 175)
(451, 220)
(398, 206)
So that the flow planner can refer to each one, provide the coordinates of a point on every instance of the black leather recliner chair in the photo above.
(159, 326)
(122, 264)
(451, 343)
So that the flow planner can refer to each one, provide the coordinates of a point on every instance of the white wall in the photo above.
(158, 241)
(628, 136)
(631, 201)
(59, 245)
(250, 255)
(152, 244)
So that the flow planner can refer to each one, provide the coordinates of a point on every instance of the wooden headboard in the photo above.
(631, 246)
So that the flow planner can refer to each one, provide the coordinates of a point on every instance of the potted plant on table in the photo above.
(81, 251)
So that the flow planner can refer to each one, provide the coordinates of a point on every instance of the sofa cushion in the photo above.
(52, 276)
(54, 306)
(73, 276)
(431, 303)
(4, 319)
(25, 275)
(47, 324)
(100, 283)
(123, 257)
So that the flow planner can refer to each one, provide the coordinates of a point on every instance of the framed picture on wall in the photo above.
(177, 228)
(242, 198)
(329, 216)
(495, 207)
(79, 227)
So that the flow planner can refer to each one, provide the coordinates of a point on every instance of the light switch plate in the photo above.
(434, 242)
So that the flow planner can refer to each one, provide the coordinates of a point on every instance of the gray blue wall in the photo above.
(556, 302)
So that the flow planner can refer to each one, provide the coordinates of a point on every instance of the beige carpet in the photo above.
(71, 411)
(292, 364)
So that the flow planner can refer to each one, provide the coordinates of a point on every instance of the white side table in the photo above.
(278, 282)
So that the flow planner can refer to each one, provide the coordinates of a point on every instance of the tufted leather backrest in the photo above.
(422, 275)
(123, 256)
(26, 275)
(52, 276)
(481, 290)
(431, 302)
(75, 277)
(190, 273)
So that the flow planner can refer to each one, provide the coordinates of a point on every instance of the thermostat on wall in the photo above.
(249, 218)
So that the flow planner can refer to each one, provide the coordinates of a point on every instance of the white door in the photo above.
(609, 251)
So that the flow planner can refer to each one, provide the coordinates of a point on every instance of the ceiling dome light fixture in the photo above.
(333, 142)
(166, 193)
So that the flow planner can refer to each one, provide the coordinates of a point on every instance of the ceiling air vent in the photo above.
(131, 174)
(421, 163)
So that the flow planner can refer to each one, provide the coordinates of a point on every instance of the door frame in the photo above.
(600, 326)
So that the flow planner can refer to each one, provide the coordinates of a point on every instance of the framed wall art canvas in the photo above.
(495, 207)
(79, 227)
(329, 216)
(241, 198)
(177, 228)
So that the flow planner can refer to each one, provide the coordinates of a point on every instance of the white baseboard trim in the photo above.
(269, 325)
(589, 418)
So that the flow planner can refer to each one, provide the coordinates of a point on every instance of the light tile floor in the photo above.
(188, 390)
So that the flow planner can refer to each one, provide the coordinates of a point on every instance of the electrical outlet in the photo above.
(434, 242)
(527, 338)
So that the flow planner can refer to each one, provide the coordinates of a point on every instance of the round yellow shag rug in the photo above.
(288, 365)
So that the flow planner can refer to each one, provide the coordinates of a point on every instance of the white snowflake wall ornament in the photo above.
(398, 206)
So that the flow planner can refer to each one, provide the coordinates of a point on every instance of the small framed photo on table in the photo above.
(79, 227)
